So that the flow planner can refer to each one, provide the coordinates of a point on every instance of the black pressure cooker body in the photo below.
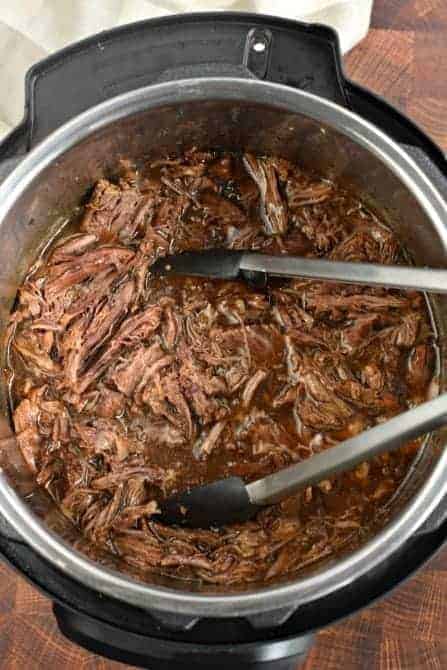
(74, 80)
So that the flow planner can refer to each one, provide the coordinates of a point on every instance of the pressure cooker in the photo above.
(228, 80)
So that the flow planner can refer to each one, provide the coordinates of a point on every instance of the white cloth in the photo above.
(32, 29)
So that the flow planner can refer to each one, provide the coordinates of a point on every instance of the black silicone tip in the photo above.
(217, 504)
(213, 263)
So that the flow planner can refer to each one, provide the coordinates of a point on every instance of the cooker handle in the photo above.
(300, 55)
(160, 654)
(215, 44)
(307, 57)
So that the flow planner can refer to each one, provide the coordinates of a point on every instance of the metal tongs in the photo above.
(230, 500)
(256, 268)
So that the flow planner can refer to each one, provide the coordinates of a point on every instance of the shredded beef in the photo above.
(273, 211)
(130, 387)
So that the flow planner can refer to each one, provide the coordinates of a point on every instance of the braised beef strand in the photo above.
(128, 388)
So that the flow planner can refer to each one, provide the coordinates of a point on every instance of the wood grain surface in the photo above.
(404, 58)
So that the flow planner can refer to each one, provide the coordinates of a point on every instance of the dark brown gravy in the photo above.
(128, 388)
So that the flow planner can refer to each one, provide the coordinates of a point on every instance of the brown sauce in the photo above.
(128, 388)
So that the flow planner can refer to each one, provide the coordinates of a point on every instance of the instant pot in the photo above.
(161, 86)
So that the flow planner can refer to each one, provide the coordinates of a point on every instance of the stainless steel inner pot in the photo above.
(232, 114)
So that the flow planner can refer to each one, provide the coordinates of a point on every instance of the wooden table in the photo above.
(404, 58)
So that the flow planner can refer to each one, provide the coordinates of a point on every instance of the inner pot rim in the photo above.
(389, 539)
